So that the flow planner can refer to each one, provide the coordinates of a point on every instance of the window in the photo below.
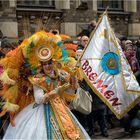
(30, 2)
(0, 4)
(48, 2)
(36, 3)
(25, 2)
(114, 5)
(83, 5)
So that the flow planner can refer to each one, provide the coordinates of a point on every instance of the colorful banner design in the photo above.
(107, 71)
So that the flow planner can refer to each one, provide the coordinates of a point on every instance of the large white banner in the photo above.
(107, 72)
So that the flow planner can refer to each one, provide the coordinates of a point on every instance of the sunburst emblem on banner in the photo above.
(110, 63)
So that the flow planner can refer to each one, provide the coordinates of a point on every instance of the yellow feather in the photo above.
(5, 78)
(13, 90)
(10, 107)
(13, 73)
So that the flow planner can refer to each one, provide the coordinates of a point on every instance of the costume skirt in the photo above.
(39, 122)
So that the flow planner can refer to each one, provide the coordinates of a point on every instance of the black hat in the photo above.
(5, 42)
(123, 38)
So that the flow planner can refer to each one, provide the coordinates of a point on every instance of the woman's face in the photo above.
(49, 69)
(129, 51)
(78, 54)
(84, 40)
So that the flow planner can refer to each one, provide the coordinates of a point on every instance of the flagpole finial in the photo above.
(106, 9)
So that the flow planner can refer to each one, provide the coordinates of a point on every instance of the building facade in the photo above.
(8, 19)
(23, 17)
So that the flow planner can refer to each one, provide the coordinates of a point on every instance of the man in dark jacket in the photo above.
(90, 28)
(98, 112)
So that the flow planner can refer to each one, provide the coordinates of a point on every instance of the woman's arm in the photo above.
(38, 94)
(40, 97)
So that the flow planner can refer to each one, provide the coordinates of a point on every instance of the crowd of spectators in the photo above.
(100, 116)
(100, 112)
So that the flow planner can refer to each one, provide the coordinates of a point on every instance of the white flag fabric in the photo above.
(107, 71)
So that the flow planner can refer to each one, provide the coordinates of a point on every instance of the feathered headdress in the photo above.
(71, 48)
(41, 46)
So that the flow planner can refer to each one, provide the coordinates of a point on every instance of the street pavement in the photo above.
(117, 133)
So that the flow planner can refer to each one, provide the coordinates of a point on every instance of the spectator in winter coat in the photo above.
(131, 121)
(90, 28)
(132, 60)
(98, 112)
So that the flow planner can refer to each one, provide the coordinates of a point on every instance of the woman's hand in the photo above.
(63, 87)
(54, 92)
(49, 95)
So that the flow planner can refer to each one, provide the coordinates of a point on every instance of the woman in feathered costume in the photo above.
(33, 91)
